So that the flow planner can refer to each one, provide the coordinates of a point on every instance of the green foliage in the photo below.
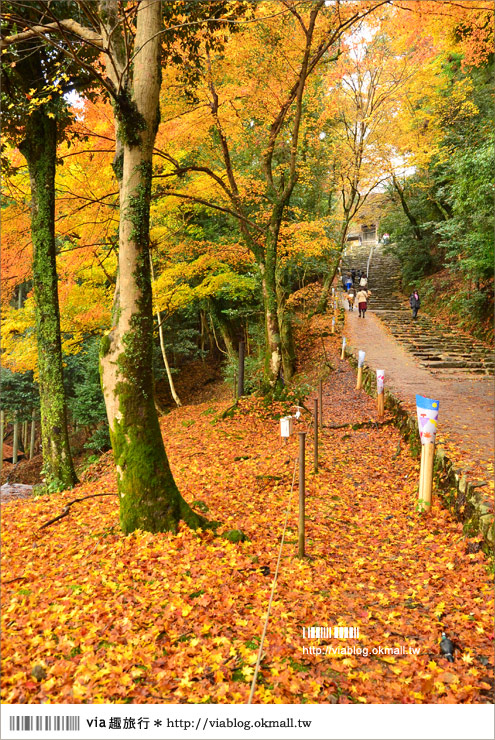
(19, 393)
(86, 402)
(468, 235)
(289, 395)
(253, 371)
(451, 202)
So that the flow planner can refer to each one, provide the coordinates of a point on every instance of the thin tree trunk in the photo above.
(216, 316)
(149, 498)
(15, 441)
(327, 283)
(174, 393)
(40, 148)
(33, 432)
(2, 425)
(410, 216)
(286, 341)
(162, 347)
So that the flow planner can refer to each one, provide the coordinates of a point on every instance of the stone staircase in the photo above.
(440, 349)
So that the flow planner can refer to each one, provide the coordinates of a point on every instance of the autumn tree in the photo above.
(130, 37)
(34, 81)
(264, 111)
(369, 84)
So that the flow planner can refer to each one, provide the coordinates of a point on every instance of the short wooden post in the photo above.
(15, 442)
(302, 493)
(380, 405)
(421, 474)
(320, 401)
(359, 381)
(240, 385)
(426, 476)
(333, 324)
(315, 425)
(33, 433)
(2, 424)
(342, 354)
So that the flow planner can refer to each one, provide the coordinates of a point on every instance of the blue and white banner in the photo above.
(427, 410)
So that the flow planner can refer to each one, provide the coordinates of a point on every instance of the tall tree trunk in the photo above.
(286, 339)
(327, 283)
(410, 216)
(223, 325)
(39, 148)
(149, 497)
(273, 349)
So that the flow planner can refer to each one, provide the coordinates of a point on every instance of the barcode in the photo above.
(48, 724)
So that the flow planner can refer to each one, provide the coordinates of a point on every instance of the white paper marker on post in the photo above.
(361, 356)
(286, 426)
(380, 400)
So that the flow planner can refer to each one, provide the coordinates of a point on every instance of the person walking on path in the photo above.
(348, 283)
(363, 282)
(353, 274)
(415, 303)
(350, 299)
(362, 301)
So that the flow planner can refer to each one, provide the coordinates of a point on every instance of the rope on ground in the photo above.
(274, 585)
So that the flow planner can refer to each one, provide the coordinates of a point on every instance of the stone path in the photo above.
(11, 491)
(439, 348)
(466, 393)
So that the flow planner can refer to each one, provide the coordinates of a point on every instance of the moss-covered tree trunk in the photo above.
(149, 498)
(286, 338)
(39, 148)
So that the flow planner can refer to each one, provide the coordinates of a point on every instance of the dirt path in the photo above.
(466, 402)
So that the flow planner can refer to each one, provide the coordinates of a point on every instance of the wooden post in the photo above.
(15, 442)
(240, 385)
(315, 423)
(333, 324)
(426, 476)
(380, 404)
(2, 424)
(342, 354)
(320, 401)
(421, 474)
(33, 432)
(302, 493)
